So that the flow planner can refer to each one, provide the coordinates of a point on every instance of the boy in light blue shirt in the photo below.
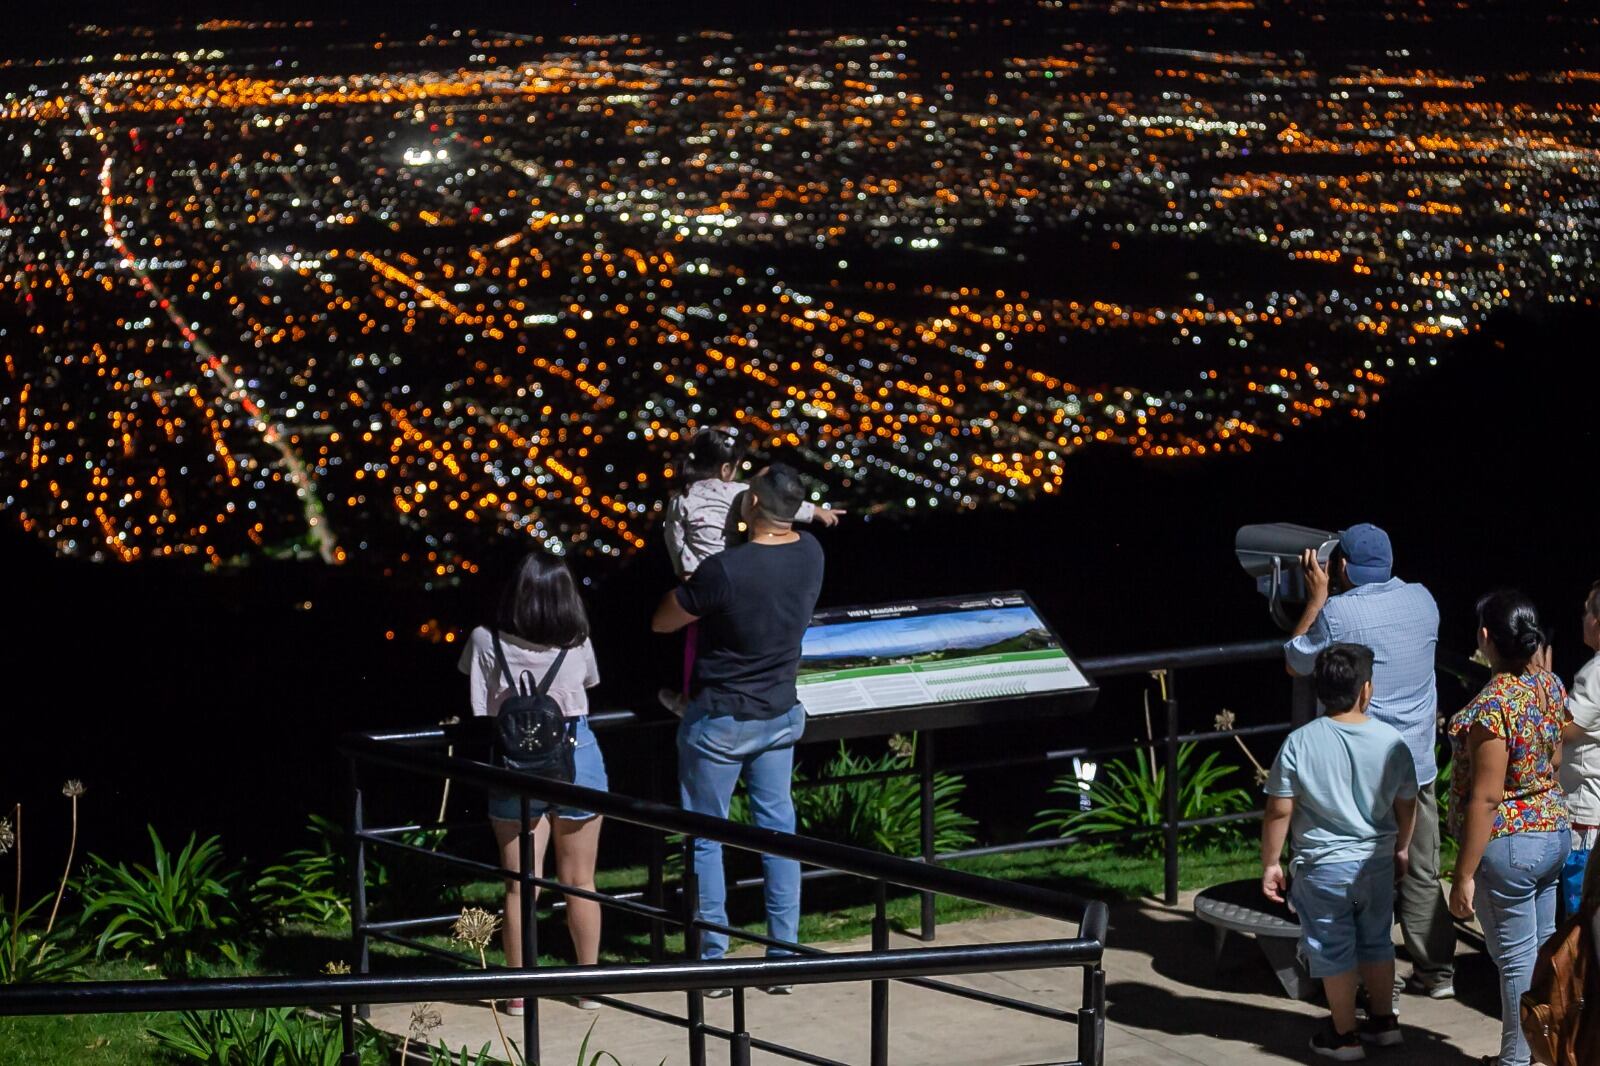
(1344, 788)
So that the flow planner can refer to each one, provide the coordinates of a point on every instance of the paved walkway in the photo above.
(1167, 1006)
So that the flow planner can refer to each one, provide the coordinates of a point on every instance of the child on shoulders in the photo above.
(1343, 789)
(703, 518)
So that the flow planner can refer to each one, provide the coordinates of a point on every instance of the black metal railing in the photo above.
(346, 992)
(414, 753)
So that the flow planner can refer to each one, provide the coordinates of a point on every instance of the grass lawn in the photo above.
(92, 1039)
(839, 908)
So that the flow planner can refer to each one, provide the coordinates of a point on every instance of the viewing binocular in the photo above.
(1271, 553)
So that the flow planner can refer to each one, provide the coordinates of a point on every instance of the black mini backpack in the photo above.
(531, 735)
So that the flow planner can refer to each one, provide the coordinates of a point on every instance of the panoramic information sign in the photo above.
(961, 649)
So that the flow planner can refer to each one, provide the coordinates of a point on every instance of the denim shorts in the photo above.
(591, 773)
(1346, 914)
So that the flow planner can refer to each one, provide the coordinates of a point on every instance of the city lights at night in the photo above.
(295, 289)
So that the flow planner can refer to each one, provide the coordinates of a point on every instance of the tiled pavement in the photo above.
(1167, 1006)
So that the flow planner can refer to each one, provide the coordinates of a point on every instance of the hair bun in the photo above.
(1512, 623)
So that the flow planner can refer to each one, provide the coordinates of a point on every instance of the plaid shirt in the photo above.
(1400, 623)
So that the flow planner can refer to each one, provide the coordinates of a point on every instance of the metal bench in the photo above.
(1239, 907)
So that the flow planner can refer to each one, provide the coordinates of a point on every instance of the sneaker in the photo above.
(779, 990)
(1332, 1044)
(717, 993)
(1384, 1031)
(673, 700)
(1437, 989)
(514, 1007)
(585, 1003)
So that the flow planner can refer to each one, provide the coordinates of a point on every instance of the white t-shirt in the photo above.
(1580, 759)
(487, 684)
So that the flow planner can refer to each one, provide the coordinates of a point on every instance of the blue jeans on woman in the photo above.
(1515, 897)
(714, 751)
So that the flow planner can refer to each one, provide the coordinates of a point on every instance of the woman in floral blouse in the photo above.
(1507, 809)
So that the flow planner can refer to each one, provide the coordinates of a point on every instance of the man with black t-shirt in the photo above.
(753, 602)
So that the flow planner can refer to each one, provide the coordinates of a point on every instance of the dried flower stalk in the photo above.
(475, 928)
(424, 1020)
(72, 790)
(16, 904)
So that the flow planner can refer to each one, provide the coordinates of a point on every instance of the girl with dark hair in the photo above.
(1507, 809)
(703, 519)
(541, 613)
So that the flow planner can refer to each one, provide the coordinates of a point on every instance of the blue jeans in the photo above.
(714, 751)
(1515, 897)
(1346, 914)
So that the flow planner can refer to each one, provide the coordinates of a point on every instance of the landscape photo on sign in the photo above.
(938, 651)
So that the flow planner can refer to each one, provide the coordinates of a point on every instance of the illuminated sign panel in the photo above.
(953, 650)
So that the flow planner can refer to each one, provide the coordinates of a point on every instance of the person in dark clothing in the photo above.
(753, 603)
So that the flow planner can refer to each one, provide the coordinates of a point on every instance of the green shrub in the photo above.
(272, 1037)
(405, 875)
(886, 814)
(306, 1040)
(440, 1055)
(1128, 796)
(1441, 789)
(219, 1038)
(172, 912)
(311, 884)
(36, 956)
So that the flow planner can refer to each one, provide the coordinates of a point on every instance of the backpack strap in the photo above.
(500, 661)
(550, 674)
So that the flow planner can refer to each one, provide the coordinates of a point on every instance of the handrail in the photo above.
(860, 862)
(1138, 662)
(127, 997)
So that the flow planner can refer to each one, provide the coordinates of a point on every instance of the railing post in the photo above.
(691, 950)
(880, 989)
(530, 933)
(1302, 702)
(350, 1055)
(655, 885)
(740, 1029)
(739, 1049)
(655, 891)
(1092, 1018)
(925, 764)
(1170, 784)
(361, 943)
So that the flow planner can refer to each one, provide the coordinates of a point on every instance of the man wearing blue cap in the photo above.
(1400, 622)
